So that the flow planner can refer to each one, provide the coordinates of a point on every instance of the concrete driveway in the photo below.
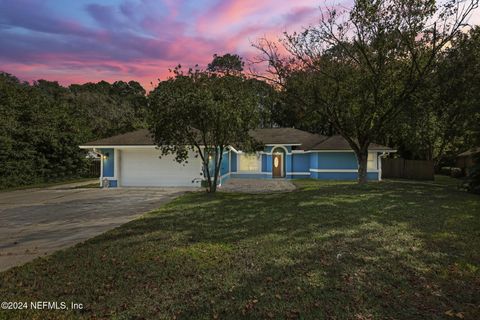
(36, 222)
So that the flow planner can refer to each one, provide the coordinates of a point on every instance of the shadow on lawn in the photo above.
(329, 250)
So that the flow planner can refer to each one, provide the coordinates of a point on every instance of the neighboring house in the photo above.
(466, 159)
(132, 159)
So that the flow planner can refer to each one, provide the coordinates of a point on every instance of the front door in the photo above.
(277, 165)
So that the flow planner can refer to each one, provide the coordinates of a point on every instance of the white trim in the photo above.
(101, 167)
(301, 151)
(298, 173)
(340, 170)
(270, 153)
(380, 156)
(278, 146)
(225, 175)
(116, 165)
(233, 149)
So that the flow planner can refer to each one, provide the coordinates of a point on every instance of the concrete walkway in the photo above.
(37, 222)
(257, 185)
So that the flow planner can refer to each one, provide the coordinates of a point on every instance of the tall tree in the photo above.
(226, 64)
(43, 123)
(202, 112)
(441, 121)
(366, 64)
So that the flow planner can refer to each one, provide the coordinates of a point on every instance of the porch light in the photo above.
(105, 157)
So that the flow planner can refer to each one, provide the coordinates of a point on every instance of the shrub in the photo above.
(472, 183)
(456, 172)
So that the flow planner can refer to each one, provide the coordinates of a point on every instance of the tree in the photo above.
(364, 66)
(202, 112)
(440, 123)
(226, 64)
(108, 109)
(44, 123)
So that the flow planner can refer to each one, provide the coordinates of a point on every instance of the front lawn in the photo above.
(388, 250)
(45, 184)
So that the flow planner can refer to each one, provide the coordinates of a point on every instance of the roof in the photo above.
(290, 136)
(305, 140)
(140, 137)
(470, 152)
(338, 142)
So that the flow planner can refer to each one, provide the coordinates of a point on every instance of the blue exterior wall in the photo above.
(233, 162)
(112, 184)
(336, 160)
(108, 164)
(301, 162)
(269, 163)
(224, 167)
(342, 175)
(264, 163)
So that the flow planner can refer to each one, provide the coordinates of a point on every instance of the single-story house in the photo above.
(466, 159)
(133, 160)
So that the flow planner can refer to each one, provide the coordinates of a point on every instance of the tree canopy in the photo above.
(202, 112)
(364, 66)
(228, 63)
(44, 123)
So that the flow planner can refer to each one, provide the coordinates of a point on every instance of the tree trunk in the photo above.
(218, 164)
(362, 158)
(206, 165)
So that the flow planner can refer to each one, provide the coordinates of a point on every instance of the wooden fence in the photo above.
(407, 169)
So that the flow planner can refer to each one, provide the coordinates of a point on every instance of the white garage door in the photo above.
(144, 168)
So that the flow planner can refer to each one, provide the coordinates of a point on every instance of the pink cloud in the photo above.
(137, 40)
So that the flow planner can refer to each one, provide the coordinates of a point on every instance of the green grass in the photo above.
(331, 250)
(45, 184)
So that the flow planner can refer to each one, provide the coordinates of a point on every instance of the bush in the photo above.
(472, 183)
(456, 172)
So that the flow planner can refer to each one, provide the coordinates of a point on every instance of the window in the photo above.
(372, 161)
(249, 162)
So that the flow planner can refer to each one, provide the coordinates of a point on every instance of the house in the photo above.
(466, 159)
(132, 159)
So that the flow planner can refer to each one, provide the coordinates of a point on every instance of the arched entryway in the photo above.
(278, 162)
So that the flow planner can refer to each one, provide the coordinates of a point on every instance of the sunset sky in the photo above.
(86, 40)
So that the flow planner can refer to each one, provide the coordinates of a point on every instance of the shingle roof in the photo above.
(287, 136)
(140, 137)
(305, 140)
(337, 142)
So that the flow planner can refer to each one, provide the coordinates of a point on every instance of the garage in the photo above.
(142, 167)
